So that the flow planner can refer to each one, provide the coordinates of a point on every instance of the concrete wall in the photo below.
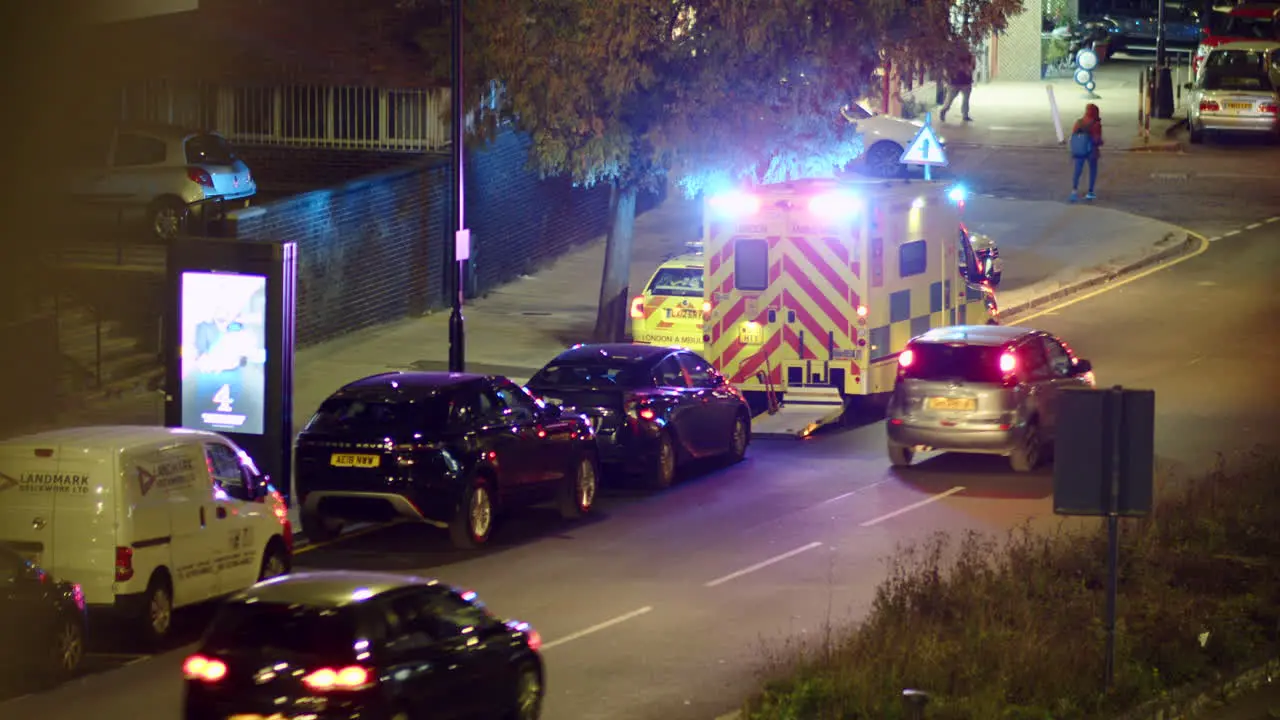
(1017, 50)
(372, 250)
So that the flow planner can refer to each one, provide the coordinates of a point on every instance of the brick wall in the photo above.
(372, 250)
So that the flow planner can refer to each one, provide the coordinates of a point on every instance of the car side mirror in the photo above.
(1082, 366)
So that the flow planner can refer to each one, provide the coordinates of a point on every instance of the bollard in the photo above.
(1142, 98)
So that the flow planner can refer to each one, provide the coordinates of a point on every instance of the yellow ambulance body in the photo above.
(819, 284)
(671, 310)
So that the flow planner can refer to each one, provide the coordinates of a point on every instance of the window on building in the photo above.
(913, 258)
(751, 265)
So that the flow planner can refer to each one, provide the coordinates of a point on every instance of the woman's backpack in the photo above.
(1081, 142)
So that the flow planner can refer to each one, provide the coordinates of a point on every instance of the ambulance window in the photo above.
(913, 258)
(751, 264)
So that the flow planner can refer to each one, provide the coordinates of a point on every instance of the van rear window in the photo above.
(751, 265)
(677, 282)
(941, 362)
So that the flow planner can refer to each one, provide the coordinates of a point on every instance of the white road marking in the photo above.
(1254, 226)
(135, 661)
(1230, 233)
(1272, 219)
(853, 492)
(913, 506)
(1119, 283)
(1215, 238)
(762, 565)
(598, 627)
(1194, 360)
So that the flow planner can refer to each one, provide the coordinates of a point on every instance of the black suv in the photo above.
(449, 449)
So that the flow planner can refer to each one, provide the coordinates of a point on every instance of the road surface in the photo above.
(665, 604)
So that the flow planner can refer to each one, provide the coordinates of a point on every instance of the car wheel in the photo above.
(157, 610)
(900, 455)
(68, 650)
(319, 528)
(275, 562)
(473, 522)
(166, 218)
(738, 440)
(579, 493)
(1026, 457)
(529, 692)
(663, 471)
(884, 159)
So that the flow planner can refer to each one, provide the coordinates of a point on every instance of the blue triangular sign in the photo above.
(925, 149)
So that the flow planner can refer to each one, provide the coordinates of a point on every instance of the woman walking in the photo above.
(1086, 141)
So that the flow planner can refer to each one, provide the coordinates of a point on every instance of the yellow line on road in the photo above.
(1204, 245)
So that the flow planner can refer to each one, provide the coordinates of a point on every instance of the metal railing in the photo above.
(341, 117)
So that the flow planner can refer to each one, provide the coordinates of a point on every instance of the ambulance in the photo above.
(815, 286)
(672, 307)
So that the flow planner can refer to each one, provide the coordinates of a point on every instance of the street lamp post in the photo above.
(461, 246)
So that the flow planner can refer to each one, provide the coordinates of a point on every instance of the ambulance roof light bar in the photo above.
(835, 205)
(734, 203)
(957, 194)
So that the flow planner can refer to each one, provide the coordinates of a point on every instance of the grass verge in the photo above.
(1012, 628)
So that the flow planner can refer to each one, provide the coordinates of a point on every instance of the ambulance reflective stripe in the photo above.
(911, 314)
(813, 279)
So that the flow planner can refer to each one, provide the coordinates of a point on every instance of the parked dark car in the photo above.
(450, 449)
(42, 621)
(653, 408)
(362, 645)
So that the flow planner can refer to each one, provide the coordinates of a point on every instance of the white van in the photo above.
(145, 519)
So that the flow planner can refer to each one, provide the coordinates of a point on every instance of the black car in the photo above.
(373, 646)
(41, 620)
(449, 449)
(652, 407)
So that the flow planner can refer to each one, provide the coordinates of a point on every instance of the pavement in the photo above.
(666, 604)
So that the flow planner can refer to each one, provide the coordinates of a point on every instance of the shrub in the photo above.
(1012, 628)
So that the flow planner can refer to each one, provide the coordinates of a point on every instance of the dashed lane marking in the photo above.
(598, 627)
(913, 506)
(763, 564)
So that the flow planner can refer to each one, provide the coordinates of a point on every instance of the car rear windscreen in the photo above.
(677, 282)
(967, 363)
(594, 373)
(323, 632)
(1232, 82)
(427, 414)
(209, 150)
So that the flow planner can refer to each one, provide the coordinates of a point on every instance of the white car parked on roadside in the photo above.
(884, 138)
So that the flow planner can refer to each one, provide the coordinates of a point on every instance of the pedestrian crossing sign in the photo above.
(924, 149)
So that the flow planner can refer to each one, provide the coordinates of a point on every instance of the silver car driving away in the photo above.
(981, 389)
(1236, 91)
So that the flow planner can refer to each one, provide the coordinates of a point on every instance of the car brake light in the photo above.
(1008, 362)
(1208, 106)
(124, 564)
(637, 307)
(77, 596)
(647, 414)
(200, 177)
(906, 358)
(326, 679)
(1268, 108)
(199, 667)
(534, 640)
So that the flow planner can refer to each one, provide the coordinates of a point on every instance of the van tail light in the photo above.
(204, 669)
(1209, 106)
(1270, 108)
(862, 311)
(200, 177)
(352, 677)
(124, 564)
(637, 307)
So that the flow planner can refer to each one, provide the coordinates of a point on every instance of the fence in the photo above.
(314, 116)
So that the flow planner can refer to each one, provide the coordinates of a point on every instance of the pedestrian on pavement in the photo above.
(960, 75)
(1086, 141)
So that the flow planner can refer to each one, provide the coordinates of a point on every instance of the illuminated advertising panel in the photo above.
(224, 351)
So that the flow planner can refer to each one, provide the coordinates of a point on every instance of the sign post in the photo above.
(1104, 466)
(925, 149)
(229, 346)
